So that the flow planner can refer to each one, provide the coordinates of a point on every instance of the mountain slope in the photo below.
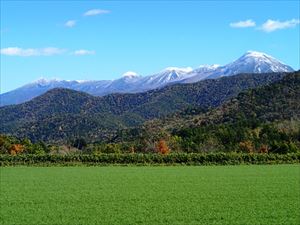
(251, 62)
(61, 114)
(268, 115)
(276, 101)
(41, 86)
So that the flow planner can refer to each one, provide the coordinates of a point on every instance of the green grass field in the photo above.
(248, 194)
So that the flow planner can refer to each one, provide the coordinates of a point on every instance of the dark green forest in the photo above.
(263, 119)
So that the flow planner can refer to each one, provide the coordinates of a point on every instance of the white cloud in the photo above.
(51, 51)
(70, 23)
(243, 24)
(16, 51)
(273, 25)
(84, 52)
(94, 12)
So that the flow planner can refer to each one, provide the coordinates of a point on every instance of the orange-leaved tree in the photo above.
(16, 148)
(264, 148)
(162, 147)
(247, 146)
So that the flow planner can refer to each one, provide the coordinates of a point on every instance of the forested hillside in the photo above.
(274, 102)
(262, 119)
(63, 114)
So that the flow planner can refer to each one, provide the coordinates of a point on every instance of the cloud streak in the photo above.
(83, 52)
(70, 23)
(16, 51)
(273, 25)
(243, 24)
(94, 12)
(49, 51)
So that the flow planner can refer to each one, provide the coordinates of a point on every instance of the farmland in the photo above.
(244, 194)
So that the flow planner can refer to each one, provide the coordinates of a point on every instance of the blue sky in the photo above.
(79, 40)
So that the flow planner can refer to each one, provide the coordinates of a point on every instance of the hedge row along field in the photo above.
(152, 159)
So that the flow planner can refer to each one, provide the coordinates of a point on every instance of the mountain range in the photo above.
(63, 114)
(250, 62)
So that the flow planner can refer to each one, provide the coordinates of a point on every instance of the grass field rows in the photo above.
(257, 194)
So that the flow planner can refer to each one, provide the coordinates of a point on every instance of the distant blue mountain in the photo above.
(250, 62)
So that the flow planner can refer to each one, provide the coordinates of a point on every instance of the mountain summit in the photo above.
(250, 62)
(258, 62)
(131, 82)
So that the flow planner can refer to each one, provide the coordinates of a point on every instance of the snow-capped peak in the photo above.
(130, 74)
(183, 70)
(213, 66)
(131, 82)
(43, 80)
(80, 81)
(256, 54)
(255, 62)
(260, 58)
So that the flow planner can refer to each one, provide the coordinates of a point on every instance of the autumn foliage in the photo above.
(162, 147)
(16, 149)
(264, 149)
(247, 146)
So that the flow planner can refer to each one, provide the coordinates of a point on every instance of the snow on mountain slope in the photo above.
(164, 77)
(200, 73)
(131, 82)
(250, 62)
